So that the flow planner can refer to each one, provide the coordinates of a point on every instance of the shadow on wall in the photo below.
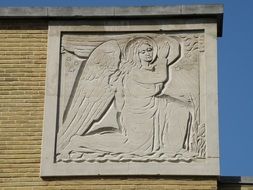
(235, 183)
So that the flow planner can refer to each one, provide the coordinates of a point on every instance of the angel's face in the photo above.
(145, 53)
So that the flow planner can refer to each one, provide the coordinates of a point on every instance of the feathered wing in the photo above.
(93, 95)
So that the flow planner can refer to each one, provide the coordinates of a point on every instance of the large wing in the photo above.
(93, 93)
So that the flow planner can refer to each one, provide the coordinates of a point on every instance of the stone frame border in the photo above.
(208, 98)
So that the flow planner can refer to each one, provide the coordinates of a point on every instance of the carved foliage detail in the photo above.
(192, 44)
(198, 137)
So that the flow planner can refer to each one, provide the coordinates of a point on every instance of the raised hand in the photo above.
(163, 49)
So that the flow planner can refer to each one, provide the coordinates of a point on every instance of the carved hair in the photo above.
(131, 57)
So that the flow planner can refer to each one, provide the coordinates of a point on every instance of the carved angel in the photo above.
(150, 124)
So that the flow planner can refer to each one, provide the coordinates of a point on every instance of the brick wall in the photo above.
(23, 48)
(23, 53)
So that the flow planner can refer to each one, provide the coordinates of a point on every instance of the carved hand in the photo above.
(163, 50)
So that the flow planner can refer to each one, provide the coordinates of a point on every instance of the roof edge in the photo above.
(195, 11)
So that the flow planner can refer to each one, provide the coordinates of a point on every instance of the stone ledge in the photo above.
(177, 11)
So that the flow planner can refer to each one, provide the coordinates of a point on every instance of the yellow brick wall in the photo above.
(23, 52)
(22, 83)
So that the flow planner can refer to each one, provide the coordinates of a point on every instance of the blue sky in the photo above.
(235, 59)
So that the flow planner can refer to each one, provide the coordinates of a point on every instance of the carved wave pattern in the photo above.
(105, 157)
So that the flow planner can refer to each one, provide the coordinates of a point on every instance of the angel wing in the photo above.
(93, 93)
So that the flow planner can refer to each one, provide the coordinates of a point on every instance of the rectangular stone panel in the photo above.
(131, 97)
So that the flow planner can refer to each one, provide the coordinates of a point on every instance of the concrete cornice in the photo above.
(177, 11)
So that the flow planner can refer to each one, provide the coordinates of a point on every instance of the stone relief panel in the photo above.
(130, 98)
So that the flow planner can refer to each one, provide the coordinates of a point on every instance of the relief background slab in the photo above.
(193, 149)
